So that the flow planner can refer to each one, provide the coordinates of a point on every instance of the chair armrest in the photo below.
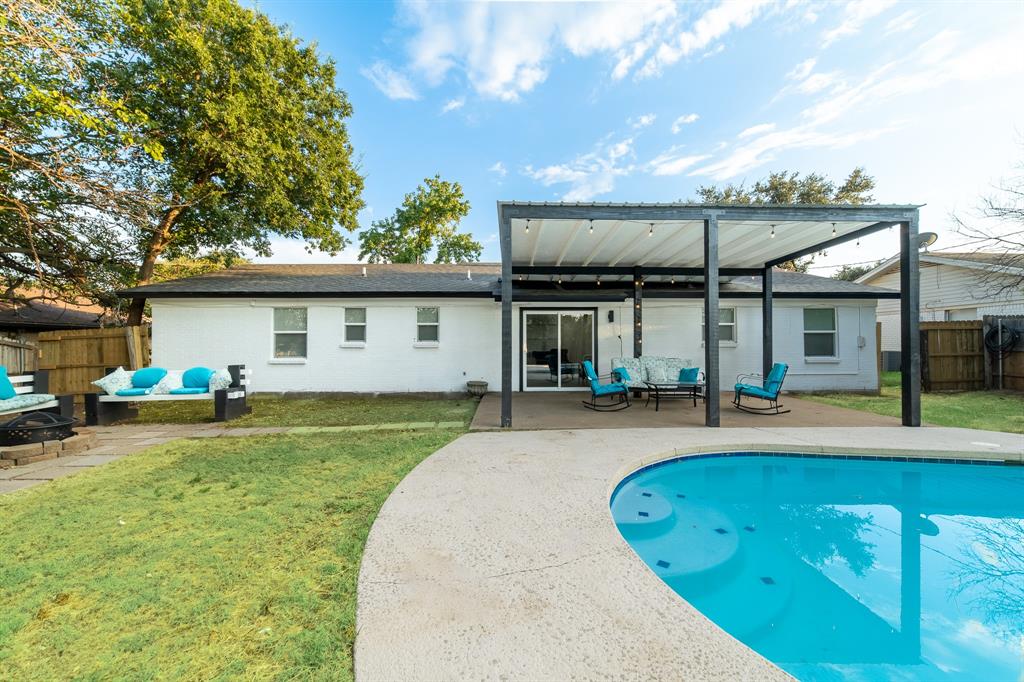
(741, 377)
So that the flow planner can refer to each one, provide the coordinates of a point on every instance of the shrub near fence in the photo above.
(77, 358)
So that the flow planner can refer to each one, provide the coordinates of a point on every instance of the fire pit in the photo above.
(36, 427)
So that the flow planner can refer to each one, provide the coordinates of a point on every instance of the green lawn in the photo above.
(199, 559)
(276, 411)
(989, 410)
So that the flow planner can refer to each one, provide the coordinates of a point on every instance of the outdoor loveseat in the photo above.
(652, 368)
(27, 392)
(123, 391)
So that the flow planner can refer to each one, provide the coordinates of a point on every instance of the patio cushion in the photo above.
(689, 375)
(661, 370)
(608, 389)
(115, 381)
(633, 368)
(621, 375)
(148, 377)
(196, 377)
(6, 387)
(773, 382)
(137, 391)
(171, 381)
(24, 401)
(184, 390)
(755, 391)
(220, 380)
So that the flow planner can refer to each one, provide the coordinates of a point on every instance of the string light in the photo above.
(591, 227)
(833, 229)
(599, 280)
(527, 226)
(651, 232)
(772, 236)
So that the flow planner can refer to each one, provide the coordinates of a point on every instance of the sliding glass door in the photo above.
(555, 344)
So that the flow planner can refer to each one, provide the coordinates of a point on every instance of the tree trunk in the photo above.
(157, 243)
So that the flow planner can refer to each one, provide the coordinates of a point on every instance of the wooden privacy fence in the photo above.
(1006, 369)
(77, 358)
(952, 356)
(17, 357)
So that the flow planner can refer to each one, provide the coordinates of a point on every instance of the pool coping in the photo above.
(498, 557)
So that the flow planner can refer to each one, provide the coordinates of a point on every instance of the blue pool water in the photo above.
(842, 569)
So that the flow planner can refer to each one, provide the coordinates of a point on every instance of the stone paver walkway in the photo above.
(127, 439)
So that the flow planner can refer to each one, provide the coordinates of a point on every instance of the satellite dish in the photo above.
(926, 239)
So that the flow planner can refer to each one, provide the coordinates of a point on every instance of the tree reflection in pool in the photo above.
(843, 569)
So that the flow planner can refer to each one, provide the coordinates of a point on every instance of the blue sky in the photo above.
(645, 101)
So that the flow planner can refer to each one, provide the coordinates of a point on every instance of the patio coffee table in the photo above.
(672, 390)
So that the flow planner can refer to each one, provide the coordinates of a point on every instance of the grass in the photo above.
(277, 411)
(988, 410)
(199, 559)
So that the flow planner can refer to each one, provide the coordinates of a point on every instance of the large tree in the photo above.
(427, 219)
(64, 134)
(252, 127)
(789, 187)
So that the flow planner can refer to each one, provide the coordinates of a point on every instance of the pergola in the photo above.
(634, 243)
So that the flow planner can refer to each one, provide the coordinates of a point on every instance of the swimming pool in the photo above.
(842, 569)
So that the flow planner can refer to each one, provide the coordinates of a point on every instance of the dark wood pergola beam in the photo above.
(629, 271)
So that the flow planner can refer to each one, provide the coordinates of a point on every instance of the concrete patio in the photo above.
(497, 557)
(554, 410)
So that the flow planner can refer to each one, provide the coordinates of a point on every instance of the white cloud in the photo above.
(392, 83)
(685, 119)
(855, 15)
(802, 70)
(902, 22)
(498, 169)
(504, 49)
(588, 175)
(642, 121)
(759, 129)
(711, 26)
(453, 104)
(672, 162)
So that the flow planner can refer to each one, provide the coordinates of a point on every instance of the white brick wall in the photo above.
(218, 332)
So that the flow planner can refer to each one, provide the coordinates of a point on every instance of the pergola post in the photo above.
(910, 317)
(638, 313)
(766, 320)
(712, 410)
(505, 234)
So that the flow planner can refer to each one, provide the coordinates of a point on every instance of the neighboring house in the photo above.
(426, 328)
(954, 286)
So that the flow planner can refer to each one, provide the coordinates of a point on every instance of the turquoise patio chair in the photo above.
(617, 391)
(767, 391)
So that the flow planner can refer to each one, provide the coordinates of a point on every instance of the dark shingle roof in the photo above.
(475, 279)
(397, 279)
(42, 316)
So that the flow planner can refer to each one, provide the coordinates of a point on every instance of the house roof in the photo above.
(1011, 263)
(331, 280)
(461, 280)
(45, 315)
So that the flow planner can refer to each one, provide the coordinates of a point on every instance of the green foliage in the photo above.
(789, 187)
(427, 218)
(850, 273)
(64, 135)
(179, 268)
(219, 558)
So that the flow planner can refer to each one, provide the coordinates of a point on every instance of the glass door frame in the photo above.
(523, 311)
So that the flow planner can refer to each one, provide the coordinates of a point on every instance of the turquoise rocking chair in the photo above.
(768, 390)
(616, 391)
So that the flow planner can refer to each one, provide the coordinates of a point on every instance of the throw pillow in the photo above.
(148, 377)
(6, 387)
(115, 381)
(197, 377)
(689, 375)
(171, 381)
(221, 379)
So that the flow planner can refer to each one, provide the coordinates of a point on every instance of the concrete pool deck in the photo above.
(497, 557)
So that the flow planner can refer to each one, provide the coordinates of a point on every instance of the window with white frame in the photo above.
(726, 325)
(428, 325)
(820, 333)
(355, 325)
(289, 332)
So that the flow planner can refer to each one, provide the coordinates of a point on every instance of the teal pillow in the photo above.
(128, 392)
(6, 387)
(148, 377)
(689, 375)
(197, 377)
